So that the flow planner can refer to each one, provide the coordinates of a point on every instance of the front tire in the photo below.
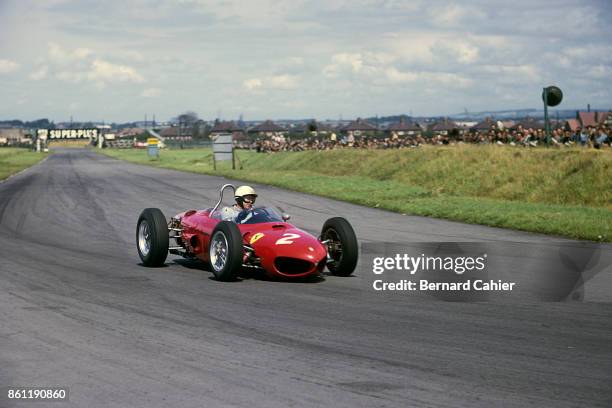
(225, 251)
(342, 248)
(152, 237)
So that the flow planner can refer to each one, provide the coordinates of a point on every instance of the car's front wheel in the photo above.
(225, 251)
(152, 237)
(342, 246)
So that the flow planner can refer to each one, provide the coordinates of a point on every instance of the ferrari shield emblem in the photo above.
(255, 237)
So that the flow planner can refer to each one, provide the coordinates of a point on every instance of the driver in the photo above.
(245, 198)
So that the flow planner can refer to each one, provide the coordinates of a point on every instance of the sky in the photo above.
(116, 61)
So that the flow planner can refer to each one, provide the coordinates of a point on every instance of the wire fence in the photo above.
(188, 144)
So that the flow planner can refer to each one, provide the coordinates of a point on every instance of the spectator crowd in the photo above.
(596, 137)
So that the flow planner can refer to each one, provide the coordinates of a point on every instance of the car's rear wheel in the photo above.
(342, 246)
(225, 251)
(152, 237)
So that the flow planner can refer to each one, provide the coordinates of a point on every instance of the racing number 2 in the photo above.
(287, 239)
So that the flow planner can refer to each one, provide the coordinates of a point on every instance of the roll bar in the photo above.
(221, 196)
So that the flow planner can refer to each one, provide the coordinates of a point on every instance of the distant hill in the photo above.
(516, 114)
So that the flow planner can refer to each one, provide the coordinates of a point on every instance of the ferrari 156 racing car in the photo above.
(259, 238)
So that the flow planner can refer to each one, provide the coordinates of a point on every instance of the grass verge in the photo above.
(559, 192)
(13, 160)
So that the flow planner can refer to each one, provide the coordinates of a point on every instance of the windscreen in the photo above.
(258, 215)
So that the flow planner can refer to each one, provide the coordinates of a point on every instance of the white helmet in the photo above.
(244, 191)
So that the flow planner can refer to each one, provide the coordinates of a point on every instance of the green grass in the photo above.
(565, 192)
(13, 160)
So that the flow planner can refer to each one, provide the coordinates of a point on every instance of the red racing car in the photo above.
(259, 238)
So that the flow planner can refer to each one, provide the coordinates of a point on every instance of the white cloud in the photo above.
(8, 66)
(274, 82)
(343, 61)
(104, 71)
(131, 55)
(396, 76)
(101, 73)
(393, 75)
(71, 76)
(411, 48)
(381, 69)
(600, 72)
(82, 65)
(448, 15)
(151, 93)
(284, 81)
(250, 12)
(366, 64)
(292, 61)
(459, 50)
(588, 55)
(252, 84)
(40, 73)
(453, 15)
(61, 56)
(513, 73)
(449, 79)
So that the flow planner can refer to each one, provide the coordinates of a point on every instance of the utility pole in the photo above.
(546, 124)
(551, 96)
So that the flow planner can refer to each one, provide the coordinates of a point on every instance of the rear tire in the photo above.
(343, 247)
(152, 237)
(225, 251)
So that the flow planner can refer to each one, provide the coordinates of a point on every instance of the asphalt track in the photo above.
(77, 310)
